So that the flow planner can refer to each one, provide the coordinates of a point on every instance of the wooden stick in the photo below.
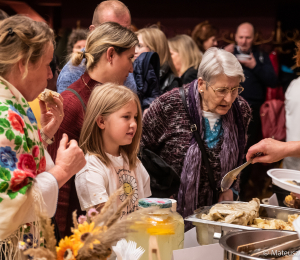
(153, 248)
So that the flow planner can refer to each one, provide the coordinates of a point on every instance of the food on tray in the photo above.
(275, 223)
(292, 218)
(47, 96)
(247, 214)
(237, 213)
(292, 201)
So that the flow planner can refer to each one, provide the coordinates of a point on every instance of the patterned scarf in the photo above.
(231, 155)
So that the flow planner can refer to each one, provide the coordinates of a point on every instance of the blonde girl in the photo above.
(110, 138)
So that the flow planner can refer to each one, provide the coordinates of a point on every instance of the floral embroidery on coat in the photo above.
(21, 150)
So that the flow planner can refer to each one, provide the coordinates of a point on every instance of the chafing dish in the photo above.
(233, 240)
(209, 232)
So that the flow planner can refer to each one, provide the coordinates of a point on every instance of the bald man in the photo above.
(244, 38)
(259, 74)
(111, 11)
(107, 11)
(257, 67)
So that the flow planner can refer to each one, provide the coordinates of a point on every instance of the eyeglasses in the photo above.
(222, 92)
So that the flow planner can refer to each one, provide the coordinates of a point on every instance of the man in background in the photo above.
(107, 11)
(259, 74)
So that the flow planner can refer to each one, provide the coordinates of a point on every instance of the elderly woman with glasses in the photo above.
(222, 119)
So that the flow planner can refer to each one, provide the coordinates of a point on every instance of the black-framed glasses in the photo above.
(222, 92)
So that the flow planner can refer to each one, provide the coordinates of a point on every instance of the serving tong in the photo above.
(230, 177)
(278, 244)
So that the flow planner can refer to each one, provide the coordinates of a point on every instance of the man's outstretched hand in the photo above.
(273, 151)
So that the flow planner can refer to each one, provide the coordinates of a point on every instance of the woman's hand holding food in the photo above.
(227, 195)
(69, 160)
(52, 114)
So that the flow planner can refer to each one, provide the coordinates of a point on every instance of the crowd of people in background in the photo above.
(125, 95)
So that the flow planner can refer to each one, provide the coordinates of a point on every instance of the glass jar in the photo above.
(162, 222)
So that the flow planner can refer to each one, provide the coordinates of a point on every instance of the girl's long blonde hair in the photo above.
(105, 100)
(188, 51)
(157, 41)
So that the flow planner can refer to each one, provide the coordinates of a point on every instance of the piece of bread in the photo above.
(47, 96)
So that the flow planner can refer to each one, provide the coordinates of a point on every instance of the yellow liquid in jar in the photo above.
(169, 231)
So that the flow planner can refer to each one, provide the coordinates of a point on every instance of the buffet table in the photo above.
(214, 251)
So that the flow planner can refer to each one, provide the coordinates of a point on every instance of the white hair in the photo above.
(218, 61)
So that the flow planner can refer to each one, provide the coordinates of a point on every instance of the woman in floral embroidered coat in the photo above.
(29, 180)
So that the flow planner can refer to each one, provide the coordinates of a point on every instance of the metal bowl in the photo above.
(232, 240)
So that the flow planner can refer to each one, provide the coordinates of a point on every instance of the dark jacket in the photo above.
(167, 79)
(258, 78)
(189, 75)
(146, 75)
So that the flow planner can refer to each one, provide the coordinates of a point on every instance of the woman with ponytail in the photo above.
(108, 58)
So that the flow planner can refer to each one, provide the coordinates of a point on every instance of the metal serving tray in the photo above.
(209, 232)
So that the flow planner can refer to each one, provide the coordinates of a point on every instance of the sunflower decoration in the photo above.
(109, 229)
(68, 249)
(91, 240)
(84, 230)
(129, 187)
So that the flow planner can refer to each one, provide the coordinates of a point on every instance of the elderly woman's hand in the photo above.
(226, 196)
(273, 151)
(52, 117)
